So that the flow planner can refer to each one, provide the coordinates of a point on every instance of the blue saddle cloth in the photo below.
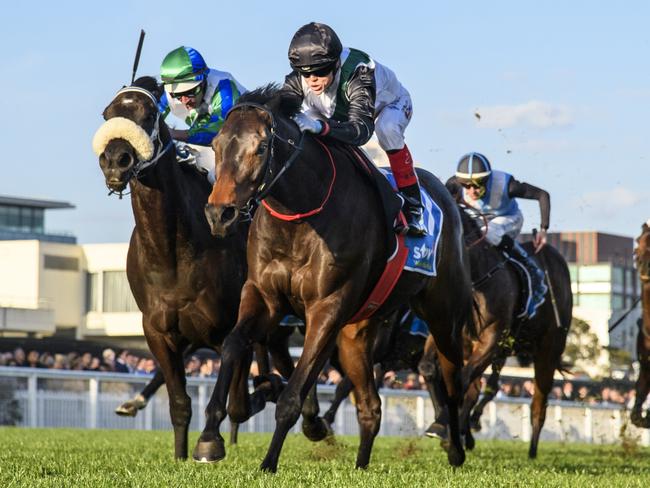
(417, 327)
(422, 250)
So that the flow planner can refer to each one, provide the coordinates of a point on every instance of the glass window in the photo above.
(92, 292)
(617, 302)
(4, 216)
(595, 273)
(117, 293)
(574, 272)
(618, 276)
(13, 218)
(598, 301)
(38, 220)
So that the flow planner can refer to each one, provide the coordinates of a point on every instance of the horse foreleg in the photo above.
(173, 370)
(354, 343)
(255, 321)
(130, 407)
(489, 392)
(319, 343)
(342, 391)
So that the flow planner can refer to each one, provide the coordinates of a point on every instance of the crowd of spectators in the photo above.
(196, 366)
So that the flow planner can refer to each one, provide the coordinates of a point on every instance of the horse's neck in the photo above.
(158, 206)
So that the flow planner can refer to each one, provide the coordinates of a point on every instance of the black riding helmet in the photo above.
(314, 47)
(473, 168)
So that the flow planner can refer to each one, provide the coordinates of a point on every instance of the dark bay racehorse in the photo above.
(321, 260)
(185, 281)
(642, 387)
(542, 338)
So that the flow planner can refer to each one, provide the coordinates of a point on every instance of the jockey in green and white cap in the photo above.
(199, 95)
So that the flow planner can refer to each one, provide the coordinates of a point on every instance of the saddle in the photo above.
(390, 199)
(525, 286)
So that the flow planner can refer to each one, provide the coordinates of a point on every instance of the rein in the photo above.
(265, 188)
(140, 166)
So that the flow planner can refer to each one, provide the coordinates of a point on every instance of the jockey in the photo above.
(492, 193)
(346, 96)
(200, 96)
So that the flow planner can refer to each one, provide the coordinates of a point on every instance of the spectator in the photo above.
(108, 363)
(120, 363)
(567, 392)
(19, 357)
(33, 360)
(528, 389)
(411, 382)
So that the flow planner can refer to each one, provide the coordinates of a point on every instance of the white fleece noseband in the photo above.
(123, 128)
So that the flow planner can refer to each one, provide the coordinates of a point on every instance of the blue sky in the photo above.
(563, 90)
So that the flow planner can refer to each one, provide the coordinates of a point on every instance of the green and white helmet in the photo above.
(183, 69)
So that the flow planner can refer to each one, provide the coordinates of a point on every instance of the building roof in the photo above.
(33, 202)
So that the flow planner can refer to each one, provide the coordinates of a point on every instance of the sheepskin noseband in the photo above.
(123, 128)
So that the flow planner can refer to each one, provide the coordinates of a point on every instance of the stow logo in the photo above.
(422, 252)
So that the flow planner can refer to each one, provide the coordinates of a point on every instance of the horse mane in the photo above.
(277, 99)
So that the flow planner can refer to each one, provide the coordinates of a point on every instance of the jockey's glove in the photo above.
(307, 124)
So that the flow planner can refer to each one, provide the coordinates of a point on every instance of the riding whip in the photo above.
(137, 55)
(622, 317)
(542, 262)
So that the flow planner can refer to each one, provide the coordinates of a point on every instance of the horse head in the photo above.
(256, 131)
(132, 136)
(642, 253)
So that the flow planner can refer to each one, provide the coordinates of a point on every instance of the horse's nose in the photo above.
(221, 218)
(118, 156)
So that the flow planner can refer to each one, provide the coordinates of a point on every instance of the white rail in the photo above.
(55, 398)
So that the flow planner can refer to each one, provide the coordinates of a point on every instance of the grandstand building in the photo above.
(53, 286)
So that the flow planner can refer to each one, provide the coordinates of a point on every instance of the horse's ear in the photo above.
(454, 188)
(645, 227)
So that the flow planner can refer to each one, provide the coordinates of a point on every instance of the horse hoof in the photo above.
(456, 458)
(127, 409)
(209, 451)
(268, 466)
(436, 431)
(317, 430)
(470, 443)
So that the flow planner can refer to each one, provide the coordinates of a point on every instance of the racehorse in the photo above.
(185, 281)
(320, 258)
(642, 387)
(501, 334)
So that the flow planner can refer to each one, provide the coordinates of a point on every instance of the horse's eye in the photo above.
(261, 149)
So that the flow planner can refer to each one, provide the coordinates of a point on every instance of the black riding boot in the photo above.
(413, 210)
(539, 288)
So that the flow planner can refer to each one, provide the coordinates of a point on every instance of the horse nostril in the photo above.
(125, 160)
(228, 214)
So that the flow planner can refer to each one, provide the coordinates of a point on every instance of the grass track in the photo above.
(87, 458)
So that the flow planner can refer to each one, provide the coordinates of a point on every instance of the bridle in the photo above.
(270, 179)
(154, 137)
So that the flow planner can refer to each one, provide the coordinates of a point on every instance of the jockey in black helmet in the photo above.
(492, 193)
(348, 96)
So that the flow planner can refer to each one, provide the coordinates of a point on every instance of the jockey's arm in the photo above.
(360, 125)
(519, 189)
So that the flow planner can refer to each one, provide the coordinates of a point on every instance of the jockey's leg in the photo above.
(389, 127)
(507, 226)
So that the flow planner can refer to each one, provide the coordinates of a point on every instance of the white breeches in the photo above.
(504, 225)
(391, 123)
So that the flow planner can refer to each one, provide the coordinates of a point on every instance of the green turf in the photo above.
(87, 458)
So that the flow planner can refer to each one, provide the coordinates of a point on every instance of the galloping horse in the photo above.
(642, 387)
(501, 334)
(185, 281)
(320, 256)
